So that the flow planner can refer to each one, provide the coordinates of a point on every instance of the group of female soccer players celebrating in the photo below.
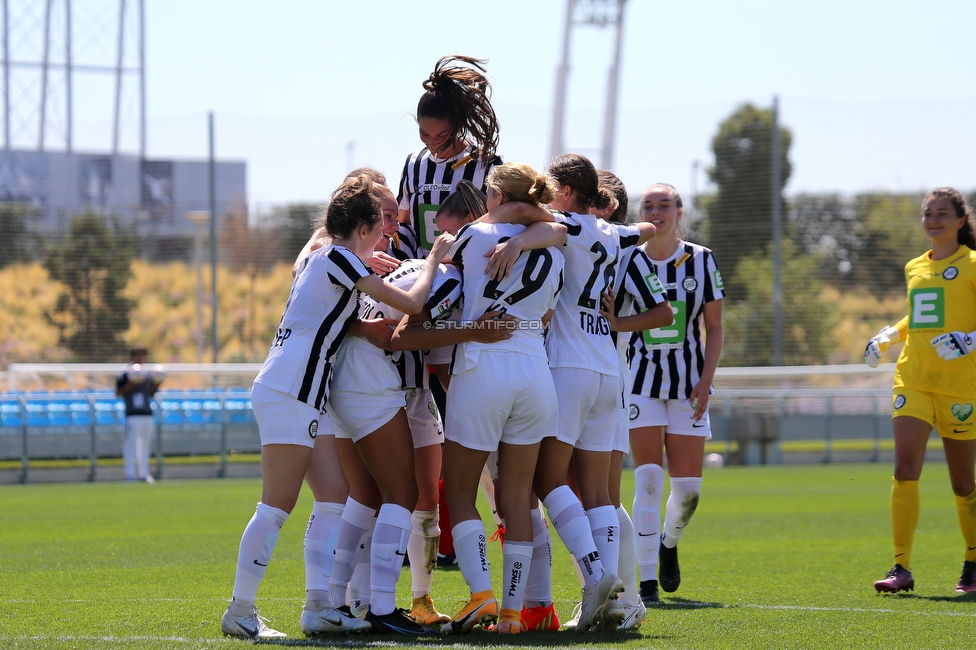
(565, 337)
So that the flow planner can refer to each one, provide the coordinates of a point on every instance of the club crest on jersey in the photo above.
(313, 429)
(634, 412)
(899, 401)
(950, 273)
(689, 284)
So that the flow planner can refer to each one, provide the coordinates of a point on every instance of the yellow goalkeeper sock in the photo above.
(966, 507)
(904, 519)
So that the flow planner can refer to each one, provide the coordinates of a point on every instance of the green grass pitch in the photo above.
(776, 557)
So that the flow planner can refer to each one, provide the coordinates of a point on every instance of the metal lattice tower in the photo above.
(58, 51)
(602, 13)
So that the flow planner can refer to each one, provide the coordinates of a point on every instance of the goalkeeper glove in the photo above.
(879, 343)
(954, 344)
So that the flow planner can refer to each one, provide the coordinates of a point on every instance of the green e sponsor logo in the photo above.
(927, 308)
(672, 334)
(653, 283)
(717, 280)
(427, 230)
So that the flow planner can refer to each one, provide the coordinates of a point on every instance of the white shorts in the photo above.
(425, 420)
(588, 406)
(675, 414)
(505, 398)
(283, 420)
(365, 391)
(621, 441)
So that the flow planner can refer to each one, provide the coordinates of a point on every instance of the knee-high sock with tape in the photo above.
(648, 488)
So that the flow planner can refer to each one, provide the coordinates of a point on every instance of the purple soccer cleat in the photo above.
(967, 583)
(898, 579)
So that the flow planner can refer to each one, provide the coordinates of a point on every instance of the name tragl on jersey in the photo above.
(580, 334)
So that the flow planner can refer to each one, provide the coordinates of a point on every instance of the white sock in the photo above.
(606, 532)
(355, 522)
(538, 584)
(471, 547)
(627, 564)
(566, 514)
(321, 536)
(422, 550)
(358, 591)
(649, 486)
(517, 564)
(386, 557)
(681, 506)
(257, 543)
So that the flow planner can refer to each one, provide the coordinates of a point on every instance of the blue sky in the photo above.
(879, 95)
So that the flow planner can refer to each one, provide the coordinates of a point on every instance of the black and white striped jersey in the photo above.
(445, 292)
(636, 288)
(403, 245)
(667, 362)
(320, 308)
(427, 181)
(528, 293)
(579, 335)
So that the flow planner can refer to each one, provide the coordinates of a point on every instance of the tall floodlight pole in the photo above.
(142, 79)
(119, 57)
(562, 72)
(38, 53)
(599, 13)
(613, 79)
(6, 77)
(213, 237)
(777, 242)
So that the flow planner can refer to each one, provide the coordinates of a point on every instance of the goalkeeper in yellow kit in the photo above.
(935, 379)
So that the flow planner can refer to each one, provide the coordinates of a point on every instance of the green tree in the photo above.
(741, 216)
(808, 318)
(94, 263)
(292, 225)
(17, 242)
(891, 234)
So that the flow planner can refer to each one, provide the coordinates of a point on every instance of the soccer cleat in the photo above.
(331, 621)
(447, 560)
(510, 622)
(249, 626)
(595, 600)
(540, 618)
(482, 609)
(668, 571)
(897, 579)
(967, 583)
(396, 622)
(648, 593)
(424, 613)
(612, 617)
(634, 616)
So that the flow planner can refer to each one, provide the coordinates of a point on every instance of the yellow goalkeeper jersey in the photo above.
(941, 298)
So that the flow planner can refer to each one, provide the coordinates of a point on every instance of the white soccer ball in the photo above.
(158, 374)
(135, 373)
(714, 460)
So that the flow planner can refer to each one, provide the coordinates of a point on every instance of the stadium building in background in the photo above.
(156, 194)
